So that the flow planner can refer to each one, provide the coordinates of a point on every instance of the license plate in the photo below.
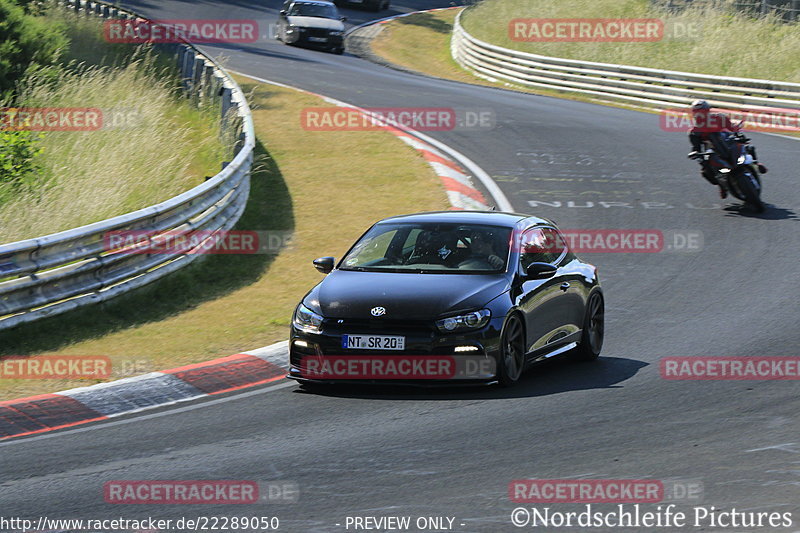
(318, 39)
(373, 342)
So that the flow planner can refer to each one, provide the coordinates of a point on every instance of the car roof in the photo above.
(498, 218)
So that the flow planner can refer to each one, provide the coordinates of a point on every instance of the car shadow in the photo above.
(551, 377)
(218, 51)
(428, 21)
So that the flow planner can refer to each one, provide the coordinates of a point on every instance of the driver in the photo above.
(482, 253)
(432, 247)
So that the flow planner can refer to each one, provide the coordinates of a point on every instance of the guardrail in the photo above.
(639, 85)
(56, 273)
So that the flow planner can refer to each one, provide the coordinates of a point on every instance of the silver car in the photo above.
(314, 23)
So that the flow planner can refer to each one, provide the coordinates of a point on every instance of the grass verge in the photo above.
(716, 40)
(153, 144)
(325, 187)
(431, 32)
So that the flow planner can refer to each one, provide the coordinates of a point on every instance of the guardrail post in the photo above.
(240, 141)
(197, 76)
(186, 68)
(216, 88)
(226, 98)
(208, 74)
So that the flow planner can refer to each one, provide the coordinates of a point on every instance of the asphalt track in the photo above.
(452, 453)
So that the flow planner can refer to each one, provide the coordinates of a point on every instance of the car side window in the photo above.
(540, 245)
(556, 244)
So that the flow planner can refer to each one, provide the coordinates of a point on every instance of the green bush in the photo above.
(18, 168)
(31, 6)
(26, 42)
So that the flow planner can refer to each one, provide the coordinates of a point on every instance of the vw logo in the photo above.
(378, 311)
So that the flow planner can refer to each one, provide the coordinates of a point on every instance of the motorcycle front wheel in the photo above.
(749, 185)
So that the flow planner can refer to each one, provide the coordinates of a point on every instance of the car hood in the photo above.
(346, 294)
(316, 22)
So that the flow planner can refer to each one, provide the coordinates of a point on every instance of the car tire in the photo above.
(593, 329)
(511, 361)
(338, 51)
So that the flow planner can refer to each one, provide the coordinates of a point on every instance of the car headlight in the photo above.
(335, 33)
(475, 320)
(306, 320)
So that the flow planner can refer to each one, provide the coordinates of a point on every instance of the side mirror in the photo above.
(324, 264)
(282, 12)
(540, 271)
(343, 19)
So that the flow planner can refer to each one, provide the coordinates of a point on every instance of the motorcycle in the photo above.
(738, 173)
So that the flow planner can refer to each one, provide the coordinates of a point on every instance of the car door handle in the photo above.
(564, 286)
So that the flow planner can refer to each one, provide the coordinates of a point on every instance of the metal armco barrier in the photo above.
(637, 85)
(56, 273)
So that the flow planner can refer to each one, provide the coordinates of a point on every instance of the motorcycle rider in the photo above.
(716, 129)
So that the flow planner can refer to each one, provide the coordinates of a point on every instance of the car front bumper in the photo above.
(311, 37)
(423, 344)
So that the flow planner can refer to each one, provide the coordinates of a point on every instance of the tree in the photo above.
(26, 42)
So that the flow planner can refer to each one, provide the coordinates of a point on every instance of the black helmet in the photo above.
(697, 105)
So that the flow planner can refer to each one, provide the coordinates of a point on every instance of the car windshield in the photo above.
(300, 9)
(433, 248)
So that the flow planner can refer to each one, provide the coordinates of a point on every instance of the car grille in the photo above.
(382, 326)
(317, 32)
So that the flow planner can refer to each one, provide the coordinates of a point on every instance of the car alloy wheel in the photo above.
(512, 352)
